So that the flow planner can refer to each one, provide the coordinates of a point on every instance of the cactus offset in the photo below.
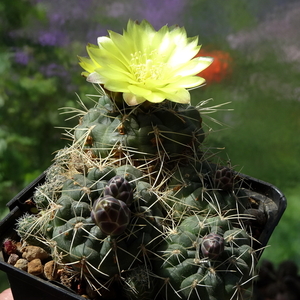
(133, 202)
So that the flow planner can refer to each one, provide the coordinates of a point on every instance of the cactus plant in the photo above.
(134, 204)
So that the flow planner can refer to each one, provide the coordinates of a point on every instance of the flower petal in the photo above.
(132, 99)
(189, 82)
(181, 96)
(139, 91)
(116, 86)
(87, 64)
(145, 64)
(95, 78)
(193, 66)
(156, 97)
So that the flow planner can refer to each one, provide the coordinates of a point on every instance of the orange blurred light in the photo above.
(220, 67)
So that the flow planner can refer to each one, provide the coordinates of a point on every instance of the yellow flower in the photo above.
(145, 64)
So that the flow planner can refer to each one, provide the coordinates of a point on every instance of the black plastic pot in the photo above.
(26, 286)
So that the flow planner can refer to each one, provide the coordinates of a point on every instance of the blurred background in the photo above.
(256, 46)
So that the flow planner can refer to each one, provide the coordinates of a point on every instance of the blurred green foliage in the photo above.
(262, 133)
(30, 98)
(39, 74)
(262, 138)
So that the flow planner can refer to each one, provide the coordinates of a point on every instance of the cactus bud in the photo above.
(119, 188)
(224, 179)
(212, 245)
(111, 215)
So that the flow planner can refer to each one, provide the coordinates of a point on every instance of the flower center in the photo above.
(146, 65)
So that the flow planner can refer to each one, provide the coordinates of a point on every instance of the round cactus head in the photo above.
(111, 215)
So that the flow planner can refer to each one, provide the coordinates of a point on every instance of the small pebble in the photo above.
(19, 247)
(35, 267)
(33, 252)
(13, 259)
(50, 270)
(22, 264)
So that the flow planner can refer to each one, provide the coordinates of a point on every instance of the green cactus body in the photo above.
(143, 131)
(79, 188)
(207, 271)
(139, 284)
(134, 203)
